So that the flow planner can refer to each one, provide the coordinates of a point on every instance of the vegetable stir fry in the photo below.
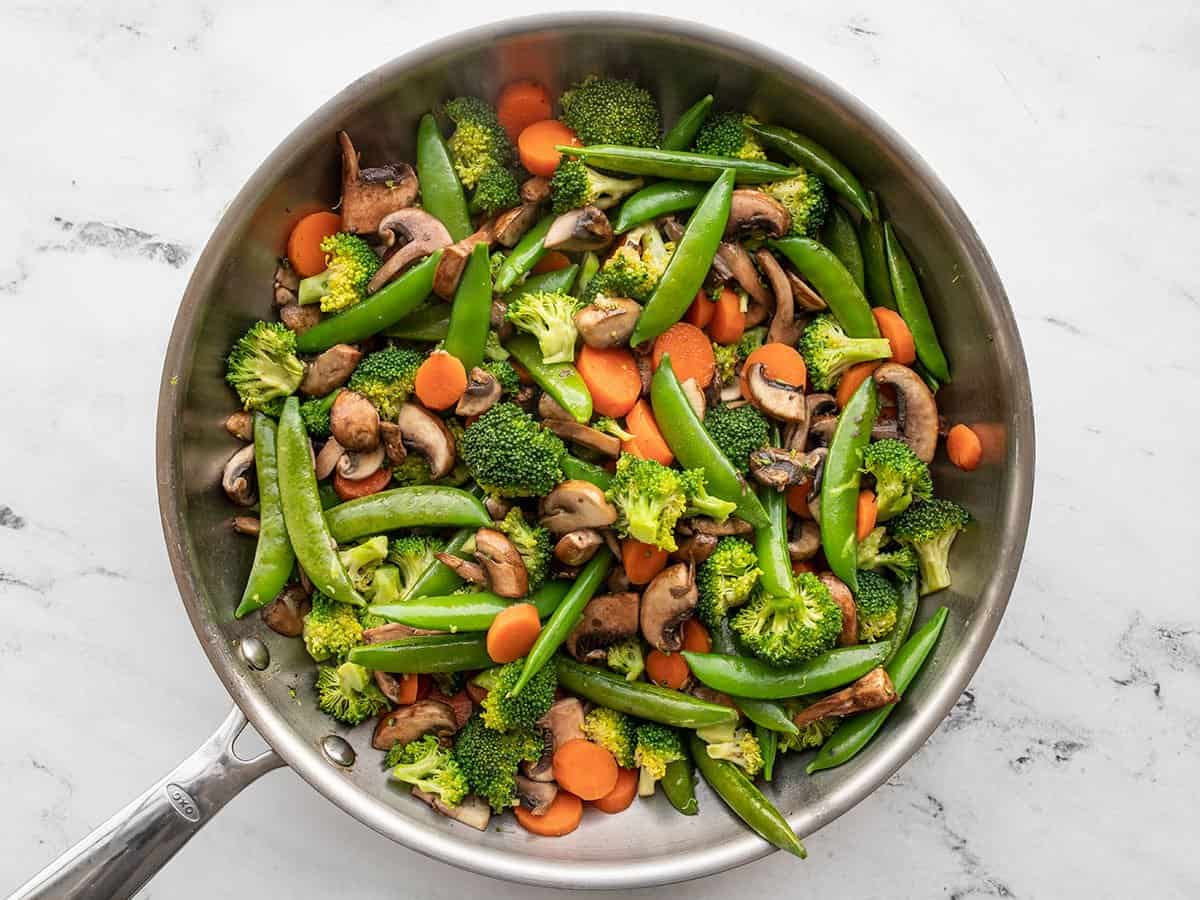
(587, 456)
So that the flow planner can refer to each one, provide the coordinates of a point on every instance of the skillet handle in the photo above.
(117, 859)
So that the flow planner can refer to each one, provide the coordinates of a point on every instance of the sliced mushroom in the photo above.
(330, 370)
(392, 439)
(300, 318)
(428, 435)
(803, 294)
(463, 568)
(549, 408)
(247, 525)
(669, 600)
(393, 631)
(777, 399)
(618, 579)
(873, 690)
(916, 408)
(695, 397)
(732, 525)
(576, 504)
(795, 436)
(564, 720)
(577, 547)
(235, 478)
(483, 390)
(354, 421)
(357, 466)
(536, 796)
(844, 599)
(644, 360)
(240, 425)
(370, 194)
(608, 322)
(733, 263)
(286, 277)
(511, 225)
(756, 213)
(805, 541)
(471, 811)
(331, 454)
(409, 723)
(695, 548)
(784, 328)
(285, 614)
(889, 429)
(505, 568)
(605, 620)
(421, 234)
(497, 507)
(454, 260)
(779, 468)
(587, 228)
(542, 769)
(585, 436)
(535, 189)
(821, 429)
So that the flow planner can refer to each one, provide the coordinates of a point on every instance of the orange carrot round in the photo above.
(612, 378)
(648, 442)
(728, 321)
(621, 796)
(537, 142)
(701, 311)
(894, 328)
(642, 561)
(361, 487)
(551, 262)
(441, 380)
(852, 378)
(513, 632)
(667, 669)
(964, 447)
(695, 637)
(522, 103)
(562, 817)
(304, 243)
(868, 510)
(783, 363)
(797, 498)
(691, 353)
(585, 769)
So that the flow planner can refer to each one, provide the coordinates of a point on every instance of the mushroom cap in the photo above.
(845, 600)
(695, 548)
(331, 454)
(608, 322)
(471, 811)
(354, 421)
(917, 408)
(776, 399)
(235, 477)
(576, 504)
(584, 435)
(512, 224)
(423, 234)
(577, 547)
(370, 194)
(408, 723)
(669, 600)
(779, 468)
(500, 558)
(563, 720)
(586, 228)
(733, 263)
(285, 614)
(805, 541)
(784, 328)
(755, 212)
(454, 260)
(536, 796)
(428, 435)
(357, 466)
(392, 439)
(483, 390)
(300, 318)
(804, 295)
(605, 620)
(330, 370)
(240, 425)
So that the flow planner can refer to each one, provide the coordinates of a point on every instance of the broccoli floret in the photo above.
(385, 588)
(751, 340)
(634, 269)
(656, 746)
(611, 426)
(505, 375)
(449, 683)
(550, 317)
(900, 476)
(429, 767)
(872, 557)
(532, 542)
(414, 470)
(614, 731)
(611, 111)
(503, 712)
(387, 378)
(803, 196)
(314, 414)
(575, 184)
(726, 134)
(728, 361)
(412, 554)
(649, 498)
(493, 349)
(737, 431)
(699, 501)
(263, 366)
(349, 264)
(490, 759)
(626, 658)
(930, 528)
(331, 629)
(726, 579)
(785, 631)
(876, 604)
(362, 559)
(479, 142)
(348, 693)
(736, 745)
(828, 351)
(496, 190)
(509, 454)
(812, 735)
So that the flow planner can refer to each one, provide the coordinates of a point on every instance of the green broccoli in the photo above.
(611, 426)
(930, 527)
(532, 542)
(728, 361)
(626, 658)
(263, 366)
(496, 190)
(656, 747)
(872, 557)
(726, 579)
(505, 375)
(828, 351)
(331, 629)
(737, 431)
(699, 501)
(348, 693)
(736, 745)
(614, 731)
(509, 454)
(314, 414)
(804, 197)
(812, 735)
(900, 476)
(492, 348)
(449, 683)
(362, 559)
(634, 268)
(479, 142)
(490, 760)
(752, 339)
(385, 587)
(387, 378)
(502, 712)
(429, 767)
(726, 134)
(649, 498)
(611, 111)
(550, 317)
(785, 631)
(876, 604)
(413, 554)
(574, 184)
(349, 264)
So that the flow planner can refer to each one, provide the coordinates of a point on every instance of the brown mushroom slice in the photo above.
(285, 614)
(393, 631)
(695, 397)
(779, 468)
(497, 507)
(235, 477)
(577, 547)
(500, 558)
(536, 796)
(754, 212)
(327, 460)
(732, 525)
(695, 548)
(246, 525)
(422, 234)
(795, 436)
(776, 399)
(510, 226)
(428, 435)
(916, 408)
(549, 408)
(845, 600)
(585, 436)
(618, 579)
(357, 466)
(605, 620)
(392, 439)
(330, 370)
(463, 568)
(300, 318)
(412, 722)
(454, 260)
(803, 294)
(586, 228)
(542, 769)
(784, 328)
(240, 425)
(733, 263)
(821, 429)
(889, 429)
(563, 720)
(607, 322)
(645, 367)
(873, 690)
(354, 422)
(286, 277)
(668, 601)
(805, 540)
(483, 390)
(370, 194)
(535, 189)
(471, 811)
(576, 504)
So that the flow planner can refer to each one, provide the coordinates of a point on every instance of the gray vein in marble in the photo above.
(120, 240)
(979, 881)
(9, 519)
(1064, 325)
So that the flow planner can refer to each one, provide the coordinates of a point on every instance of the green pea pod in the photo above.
(302, 513)
(471, 311)
(817, 263)
(911, 303)
(423, 505)
(273, 556)
(768, 743)
(329, 496)
(684, 131)
(525, 255)
(689, 264)
(466, 612)
(429, 323)
(659, 199)
(574, 467)
(639, 698)
(747, 802)
(854, 732)
(438, 578)
(441, 191)
(694, 448)
(771, 542)
(875, 267)
(558, 280)
(679, 784)
(840, 484)
(904, 619)
(677, 164)
(740, 676)
(766, 713)
(565, 616)
(384, 308)
(429, 653)
(561, 381)
(817, 159)
(587, 271)
(841, 237)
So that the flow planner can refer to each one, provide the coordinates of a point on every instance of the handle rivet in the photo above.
(338, 750)
(255, 653)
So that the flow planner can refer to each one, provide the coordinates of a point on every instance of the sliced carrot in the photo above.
(585, 769)
(304, 243)
(551, 262)
(513, 632)
(562, 817)
(691, 353)
(852, 378)
(349, 489)
(695, 637)
(667, 669)
(894, 328)
(441, 380)
(522, 103)
(783, 363)
(797, 498)
(642, 561)
(408, 689)
(701, 311)
(964, 447)
(868, 510)
(612, 378)
(648, 442)
(728, 321)
(536, 145)
(621, 796)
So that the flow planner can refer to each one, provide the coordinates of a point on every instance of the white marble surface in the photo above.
(1069, 769)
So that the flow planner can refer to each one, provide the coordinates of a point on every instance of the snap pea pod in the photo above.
(765, 713)
(904, 619)
(855, 731)
(679, 784)
(841, 237)
(588, 267)
(302, 513)
(875, 267)
(816, 158)
(742, 677)
(770, 544)
(329, 496)
(840, 483)
(659, 199)
(438, 578)
(817, 263)
(768, 743)
(273, 556)
(564, 618)
(694, 448)
(471, 311)
(525, 255)
(384, 308)
(561, 381)
(558, 280)
(911, 303)
(422, 505)
(688, 266)
(639, 698)
(574, 467)
(681, 165)
(747, 802)
(430, 653)
(466, 612)
(429, 323)
(683, 132)
(441, 191)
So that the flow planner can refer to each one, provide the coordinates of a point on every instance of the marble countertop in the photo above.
(1069, 767)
